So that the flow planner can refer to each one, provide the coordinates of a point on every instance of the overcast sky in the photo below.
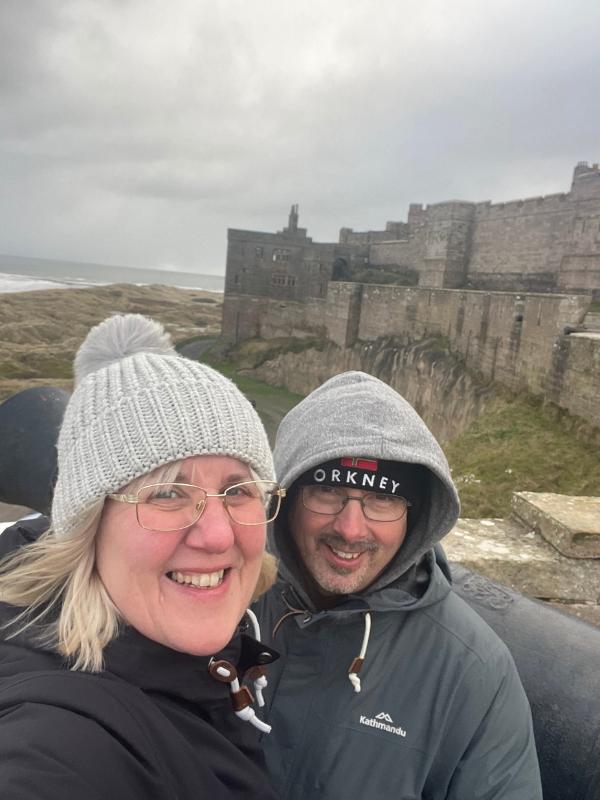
(136, 132)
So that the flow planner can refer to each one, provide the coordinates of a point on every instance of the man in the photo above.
(389, 685)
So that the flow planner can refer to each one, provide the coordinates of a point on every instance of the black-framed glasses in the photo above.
(330, 500)
(176, 506)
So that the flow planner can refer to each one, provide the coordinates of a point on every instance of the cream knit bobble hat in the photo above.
(137, 405)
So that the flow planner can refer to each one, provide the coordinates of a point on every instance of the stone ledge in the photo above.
(506, 552)
(570, 524)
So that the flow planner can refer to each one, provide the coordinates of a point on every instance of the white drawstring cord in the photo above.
(246, 713)
(255, 625)
(241, 695)
(358, 662)
(259, 683)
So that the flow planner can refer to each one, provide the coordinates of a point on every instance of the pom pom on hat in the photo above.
(137, 405)
(118, 337)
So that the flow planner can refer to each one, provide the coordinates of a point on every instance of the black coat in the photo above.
(153, 725)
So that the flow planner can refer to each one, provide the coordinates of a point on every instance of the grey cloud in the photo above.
(217, 115)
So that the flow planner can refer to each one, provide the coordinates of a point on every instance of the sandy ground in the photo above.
(41, 331)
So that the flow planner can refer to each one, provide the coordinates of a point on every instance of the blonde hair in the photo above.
(59, 575)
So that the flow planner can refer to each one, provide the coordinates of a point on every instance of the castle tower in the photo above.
(293, 219)
(586, 181)
(447, 243)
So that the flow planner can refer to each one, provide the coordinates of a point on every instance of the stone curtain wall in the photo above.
(246, 317)
(509, 338)
(545, 244)
(549, 243)
(514, 339)
(404, 253)
(574, 382)
(521, 241)
(542, 243)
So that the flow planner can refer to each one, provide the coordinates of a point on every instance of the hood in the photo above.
(355, 414)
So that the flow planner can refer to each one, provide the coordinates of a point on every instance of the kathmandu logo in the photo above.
(382, 722)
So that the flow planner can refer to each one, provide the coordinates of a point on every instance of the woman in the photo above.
(108, 685)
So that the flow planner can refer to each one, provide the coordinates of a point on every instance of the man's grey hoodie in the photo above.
(441, 712)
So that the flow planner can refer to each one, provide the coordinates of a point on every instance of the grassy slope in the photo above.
(41, 331)
(271, 403)
(520, 446)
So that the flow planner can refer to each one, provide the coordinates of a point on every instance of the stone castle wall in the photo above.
(500, 281)
(547, 244)
(517, 340)
(507, 337)
(574, 380)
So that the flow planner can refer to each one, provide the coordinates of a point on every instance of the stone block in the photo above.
(570, 524)
(507, 552)
(592, 320)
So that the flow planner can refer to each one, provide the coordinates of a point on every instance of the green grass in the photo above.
(36, 365)
(520, 446)
(272, 403)
(252, 388)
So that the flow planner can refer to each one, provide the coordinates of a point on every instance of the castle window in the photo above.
(258, 251)
(281, 279)
(281, 255)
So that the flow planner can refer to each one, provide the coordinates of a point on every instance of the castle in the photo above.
(512, 287)
(541, 244)
(510, 290)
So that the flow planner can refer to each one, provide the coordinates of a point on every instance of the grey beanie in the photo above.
(138, 404)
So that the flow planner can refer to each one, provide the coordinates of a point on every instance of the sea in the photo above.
(22, 274)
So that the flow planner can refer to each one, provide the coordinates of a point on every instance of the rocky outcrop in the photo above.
(434, 381)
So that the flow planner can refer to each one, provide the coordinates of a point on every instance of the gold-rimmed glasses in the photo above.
(176, 506)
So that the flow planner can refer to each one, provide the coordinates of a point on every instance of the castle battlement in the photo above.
(532, 205)
(549, 243)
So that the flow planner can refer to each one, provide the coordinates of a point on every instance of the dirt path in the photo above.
(195, 349)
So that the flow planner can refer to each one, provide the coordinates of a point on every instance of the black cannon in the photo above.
(558, 659)
(29, 425)
(557, 656)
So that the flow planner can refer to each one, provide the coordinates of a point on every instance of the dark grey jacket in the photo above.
(441, 713)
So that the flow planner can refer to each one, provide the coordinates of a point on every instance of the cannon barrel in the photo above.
(29, 425)
(558, 658)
